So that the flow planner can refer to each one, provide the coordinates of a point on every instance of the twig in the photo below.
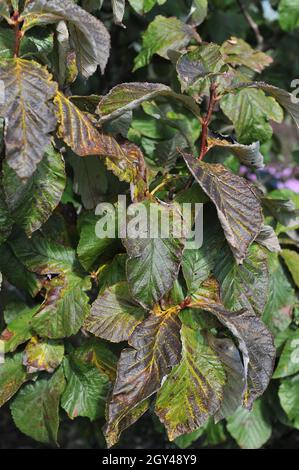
(252, 24)
(207, 119)
(18, 33)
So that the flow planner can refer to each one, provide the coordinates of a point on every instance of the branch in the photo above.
(207, 119)
(18, 33)
(252, 24)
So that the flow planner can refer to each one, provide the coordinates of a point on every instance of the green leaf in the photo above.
(114, 315)
(35, 410)
(90, 179)
(87, 386)
(27, 112)
(16, 273)
(199, 11)
(144, 6)
(18, 330)
(88, 35)
(111, 273)
(250, 111)
(288, 14)
(288, 395)
(239, 52)
(289, 360)
(128, 96)
(237, 204)
(198, 264)
(65, 307)
(185, 441)
(42, 355)
(193, 390)
(90, 246)
(32, 203)
(12, 376)
(153, 263)
(156, 348)
(5, 220)
(163, 34)
(281, 297)
(251, 429)
(291, 258)
(244, 285)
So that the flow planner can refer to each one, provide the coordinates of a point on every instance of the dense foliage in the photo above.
(112, 328)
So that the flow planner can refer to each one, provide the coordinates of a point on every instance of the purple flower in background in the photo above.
(275, 176)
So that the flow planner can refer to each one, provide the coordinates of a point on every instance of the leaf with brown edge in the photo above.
(79, 133)
(237, 204)
(249, 155)
(193, 390)
(114, 315)
(124, 418)
(128, 96)
(29, 115)
(42, 355)
(88, 35)
(156, 348)
(12, 376)
(255, 341)
(238, 52)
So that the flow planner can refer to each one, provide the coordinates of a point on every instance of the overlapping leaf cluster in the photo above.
(196, 326)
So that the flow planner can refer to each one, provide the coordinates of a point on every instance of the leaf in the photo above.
(199, 10)
(283, 210)
(4, 10)
(79, 133)
(128, 96)
(153, 263)
(246, 285)
(112, 273)
(156, 348)
(118, 7)
(288, 14)
(249, 155)
(42, 355)
(29, 116)
(193, 390)
(16, 273)
(268, 238)
(88, 35)
(114, 315)
(291, 258)
(284, 98)
(91, 247)
(87, 387)
(65, 307)
(239, 52)
(35, 410)
(32, 203)
(288, 395)
(255, 341)
(18, 331)
(289, 359)
(198, 264)
(237, 205)
(281, 297)
(5, 220)
(144, 6)
(250, 429)
(163, 34)
(89, 180)
(250, 111)
(12, 376)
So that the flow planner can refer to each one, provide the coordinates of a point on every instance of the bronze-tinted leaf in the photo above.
(255, 342)
(114, 314)
(88, 35)
(238, 207)
(156, 348)
(249, 155)
(193, 390)
(128, 96)
(238, 52)
(29, 117)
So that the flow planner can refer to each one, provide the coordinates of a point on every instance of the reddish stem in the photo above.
(18, 33)
(207, 119)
